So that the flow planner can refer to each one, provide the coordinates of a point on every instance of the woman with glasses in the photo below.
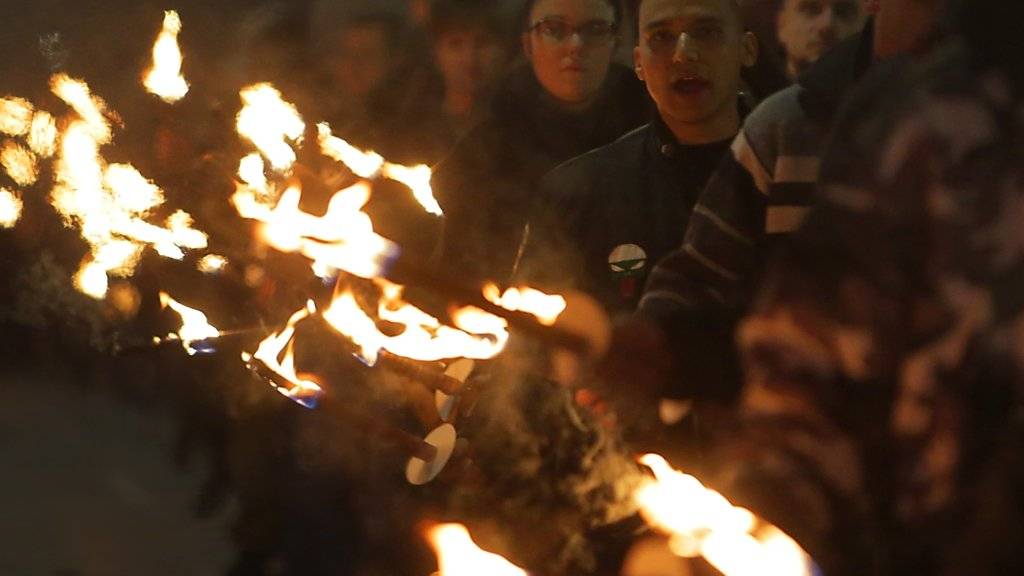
(568, 97)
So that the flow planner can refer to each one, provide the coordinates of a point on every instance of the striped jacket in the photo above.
(759, 193)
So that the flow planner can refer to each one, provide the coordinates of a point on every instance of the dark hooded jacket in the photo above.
(488, 184)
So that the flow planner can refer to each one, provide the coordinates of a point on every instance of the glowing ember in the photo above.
(15, 116)
(370, 164)
(277, 354)
(164, 79)
(194, 325)
(20, 163)
(42, 136)
(701, 522)
(423, 338)
(270, 124)
(211, 264)
(458, 555)
(10, 208)
(547, 308)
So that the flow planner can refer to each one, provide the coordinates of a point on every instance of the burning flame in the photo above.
(164, 79)
(343, 238)
(458, 555)
(270, 124)
(370, 165)
(42, 136)
(303, 391)
(547, 308)
(424, 337)
(10, 208)
(15, 116)
(701, 522)
(20, 163)
(109, 203)
(194, 325)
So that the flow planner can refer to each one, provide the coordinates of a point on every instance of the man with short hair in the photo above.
(760, 194)
(608, 215)
(806, 29)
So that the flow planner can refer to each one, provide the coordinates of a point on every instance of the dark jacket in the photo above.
(488, 184)
(609, 215)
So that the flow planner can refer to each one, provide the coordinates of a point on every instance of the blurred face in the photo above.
(360, 59)
(903, 26)
(809, 28)
(570, 45)
(690, 54)
(468, 58)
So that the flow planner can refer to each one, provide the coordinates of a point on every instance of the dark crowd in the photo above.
(803, 219)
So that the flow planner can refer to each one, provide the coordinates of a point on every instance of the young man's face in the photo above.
(809, 28)
(690, 54)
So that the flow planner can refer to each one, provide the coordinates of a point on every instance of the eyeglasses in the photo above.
(559, 31)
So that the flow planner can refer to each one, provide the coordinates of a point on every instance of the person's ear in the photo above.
(637, 66)
(527, 47)
(750, 49)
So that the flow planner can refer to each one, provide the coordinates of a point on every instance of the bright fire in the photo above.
(10, 208)
(546, 308)
(370, 164)
(194, 325)
(277, 353)
(42, 136)
(271, 124)
(20, 163)
(423, 338)
(164, 79)
(701, 522)
(15, 116)
(109, 203)
(458, 555)
(211, 264)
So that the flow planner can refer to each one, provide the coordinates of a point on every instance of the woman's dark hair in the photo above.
(524, 13)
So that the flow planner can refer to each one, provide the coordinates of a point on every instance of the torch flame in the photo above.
(702, 522)
(366, 164)
(109, 203)
(270, 124)
(164, 79)
(458, 555)
(547, 308)
(194, 325)
(211, 264)
(303, 391)
(423, 338)
(42, 136)
(20, 163)
(15, 116)
(10, 208)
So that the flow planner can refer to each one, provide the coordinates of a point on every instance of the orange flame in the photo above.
(15, 116)
(20, 163)
(343, 238)
(10, 208)
(211, 264)
(546, 308)
(109, 203)
(42, 136)
(269, 352)
(701, 522)
(164, 79)
(367, 164)
(458, 555)
(270, 124)
(424, 337)
(194, 325)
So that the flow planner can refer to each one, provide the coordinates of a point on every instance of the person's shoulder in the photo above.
(598, 164)
(779, 107)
